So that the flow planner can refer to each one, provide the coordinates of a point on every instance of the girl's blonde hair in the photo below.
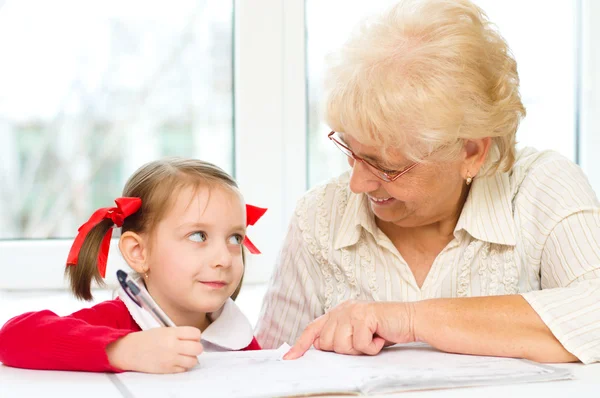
(426, 75)
(157, 184)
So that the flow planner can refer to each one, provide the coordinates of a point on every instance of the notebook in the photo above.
(257, 374)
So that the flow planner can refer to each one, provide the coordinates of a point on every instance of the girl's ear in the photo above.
(134, 250)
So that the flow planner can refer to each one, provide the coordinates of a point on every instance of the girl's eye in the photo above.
(199, 236)
(236, 239)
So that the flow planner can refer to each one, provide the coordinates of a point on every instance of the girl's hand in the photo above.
(160, 350)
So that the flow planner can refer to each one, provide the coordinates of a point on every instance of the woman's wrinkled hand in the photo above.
(358, 328)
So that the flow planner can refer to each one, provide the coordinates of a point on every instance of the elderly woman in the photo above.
(441, 232)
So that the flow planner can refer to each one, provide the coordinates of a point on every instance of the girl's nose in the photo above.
(222, 256)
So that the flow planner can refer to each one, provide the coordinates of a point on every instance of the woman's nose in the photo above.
(361, 179)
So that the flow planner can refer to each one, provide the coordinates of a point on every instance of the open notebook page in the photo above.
(399, 368)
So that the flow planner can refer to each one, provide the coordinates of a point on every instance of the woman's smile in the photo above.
(382, 201)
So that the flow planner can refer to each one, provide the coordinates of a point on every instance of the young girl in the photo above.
(183, 226)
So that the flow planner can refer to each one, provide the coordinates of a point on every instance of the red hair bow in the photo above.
(253, 214)
(125, 208)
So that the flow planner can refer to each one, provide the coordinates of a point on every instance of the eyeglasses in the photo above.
(385, 175)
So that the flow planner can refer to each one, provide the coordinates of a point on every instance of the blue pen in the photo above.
(143, 299)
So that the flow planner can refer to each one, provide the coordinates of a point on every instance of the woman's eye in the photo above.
(393, 172)
(236, 239)
(199, 236)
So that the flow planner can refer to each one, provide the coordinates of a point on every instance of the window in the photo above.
(137, 81)
(589, 91)
(91, 94)
(80, 112)
(546, 58)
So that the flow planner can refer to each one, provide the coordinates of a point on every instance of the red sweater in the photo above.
(44, 340)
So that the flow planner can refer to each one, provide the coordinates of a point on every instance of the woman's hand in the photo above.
(160, 350)
(357, 328)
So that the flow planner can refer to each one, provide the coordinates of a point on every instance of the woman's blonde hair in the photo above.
(423, 75)
(157, 184)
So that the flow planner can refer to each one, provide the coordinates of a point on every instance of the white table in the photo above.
(31, 383)
(41, 383)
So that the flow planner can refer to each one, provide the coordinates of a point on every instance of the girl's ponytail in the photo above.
(81, 273)
(89, 253)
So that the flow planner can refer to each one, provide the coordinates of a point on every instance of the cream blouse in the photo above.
(533, 231)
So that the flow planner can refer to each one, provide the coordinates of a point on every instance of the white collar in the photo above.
(490, 198)
(229, 330)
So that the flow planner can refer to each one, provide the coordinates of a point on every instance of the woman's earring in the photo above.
(469, 178)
